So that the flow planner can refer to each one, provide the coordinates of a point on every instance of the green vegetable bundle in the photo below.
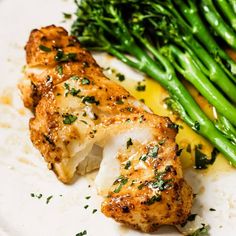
(170, 40)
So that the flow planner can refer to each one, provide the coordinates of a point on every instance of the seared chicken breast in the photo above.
(83, 120)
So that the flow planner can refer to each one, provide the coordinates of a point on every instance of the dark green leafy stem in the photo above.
(202, 161)
(109, 26)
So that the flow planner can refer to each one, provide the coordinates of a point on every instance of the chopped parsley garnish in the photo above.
(120, 77)
(44, 48)
(203, 231)
(153, 199)
(67, 16)
(82, 233)
(59, 69)
(85, 81)
(94, 211)
(153, 151)
(191, 217)
(83, 121)
(201, 159)
(86, 206)
(85, 64)
(142, 100)
(48, 199)
(119, 101)
(140, 87)
(121, 181)
(140, 119)
(161, 142)
(212, 209)
(143, 157)
(141, 186)
(74, 77)
(173, 126)
(88, 197)
(196, 126)
(72, 91)
(129, 143)
(130, 109)
(65, 57)
(188, 149)
(160, 183)
(127, 165)
(69, 119)
(178, 153)
(37, 196)
(90, 99)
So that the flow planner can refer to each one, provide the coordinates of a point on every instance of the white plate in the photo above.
(23, 171)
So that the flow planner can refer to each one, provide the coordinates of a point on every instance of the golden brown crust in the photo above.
(76, 106)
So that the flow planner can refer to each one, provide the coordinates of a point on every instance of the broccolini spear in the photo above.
(217, 22)
(191, 12)
(101, 25)
(189, 59)
(169, 27)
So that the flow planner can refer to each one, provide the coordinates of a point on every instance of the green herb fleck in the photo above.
(90, 99)
(129, 143)
(48, 199)
(142, 100)
(141, 186)
(59, 69)
(212, 209)
(94, 211)
(69, 119)
(122, 181)
(188, 149)
(83, 121)
(161, 142)
(85, 64)
(85, 81)
(143, 157)
(86, 206)
(119, 101)
(141, 118)
(160, 183)
(201, 159)
(196, 126)
(140, 87)
(88, 197)
(74, 77)
(153, 151)
(120, 77)
(67, 16)
(127, 165)
(82, 233)
(191, 217)
(203, 231)
(153, 199)
(65, 57)
(178, 153)
(44, 48)
(37, 196)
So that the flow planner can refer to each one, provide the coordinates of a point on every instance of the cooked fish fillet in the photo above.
(81, 116)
